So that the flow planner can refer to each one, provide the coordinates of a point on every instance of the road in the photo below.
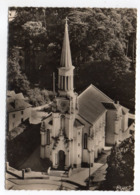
(77, 181)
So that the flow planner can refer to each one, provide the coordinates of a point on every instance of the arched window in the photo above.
(85, 141)
(48, 137)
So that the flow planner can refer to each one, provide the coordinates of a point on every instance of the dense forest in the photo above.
(103, 47)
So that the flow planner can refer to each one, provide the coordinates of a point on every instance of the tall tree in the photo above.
(16, 79)
(120, 171)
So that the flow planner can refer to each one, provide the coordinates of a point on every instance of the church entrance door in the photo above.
(61, 159)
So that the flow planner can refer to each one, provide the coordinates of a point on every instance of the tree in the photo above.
(96, 34)
(101, 34)
(120, 171)
(103, 43)
(38, 97)
(17, 81)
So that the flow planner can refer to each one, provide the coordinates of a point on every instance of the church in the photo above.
(79, 127)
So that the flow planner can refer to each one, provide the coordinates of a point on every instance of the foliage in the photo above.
(34, 28)
(97, 36)
(120, 171)
(101, 35)
(38, 97)
(16, 80)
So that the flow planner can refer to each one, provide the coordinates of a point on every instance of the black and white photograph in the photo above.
(70, 98)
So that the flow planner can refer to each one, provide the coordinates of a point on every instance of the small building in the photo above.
(18, 110)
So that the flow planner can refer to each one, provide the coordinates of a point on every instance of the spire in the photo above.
(66, 53)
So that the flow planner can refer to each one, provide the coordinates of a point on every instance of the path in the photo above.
(99, 175)
(77, 181)
(81, 176)
(53, 183)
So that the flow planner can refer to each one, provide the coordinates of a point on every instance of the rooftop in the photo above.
(109, 106)
(12, 94)
(77, 123)
(90, 103)
(125, 110)
(16, 104)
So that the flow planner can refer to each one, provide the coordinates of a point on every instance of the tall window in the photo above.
(67, 83)
(62, 122)
(48, 137)
(56, 159)
(63, 83)
(60, 83)
(85, 141)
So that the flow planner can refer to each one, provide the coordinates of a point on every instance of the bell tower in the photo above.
(59, 132)
(65, 72)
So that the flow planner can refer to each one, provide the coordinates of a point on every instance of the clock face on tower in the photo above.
(63, 105)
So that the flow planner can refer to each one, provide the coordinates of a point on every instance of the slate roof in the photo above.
(90, 103)
(16, 104)
(109, 106)
(125, 110)
(12, 94)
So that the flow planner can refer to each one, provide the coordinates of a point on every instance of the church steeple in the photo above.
(66, 53)
(65, 72)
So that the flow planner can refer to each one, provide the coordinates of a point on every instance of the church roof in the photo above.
(78, 123)
(109, 106)
(90, 103)
(66, 53)
(125, 110)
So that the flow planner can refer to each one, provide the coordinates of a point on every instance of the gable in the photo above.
(90, 103)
